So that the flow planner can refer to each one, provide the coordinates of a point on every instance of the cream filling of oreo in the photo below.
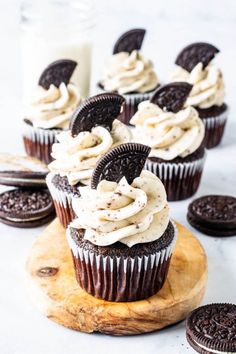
(129, 72)
(208, 85)
(23, 220)
(131, 214)
(54, 107)
(23, 180)
(168, 134)
(212, 350)
(76, 157)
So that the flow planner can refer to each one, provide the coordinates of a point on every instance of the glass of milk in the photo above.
(52, 30)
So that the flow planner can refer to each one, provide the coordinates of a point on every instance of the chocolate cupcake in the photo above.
(93, 132)
(195, 66)
(175, 136)
(56, 98)
(129, 73)
(122, 238)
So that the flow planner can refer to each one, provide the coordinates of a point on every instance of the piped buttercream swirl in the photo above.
(76, 157)
(128, 73)
(54, 107)
(208, 85)
(168, 134)
(130, 214)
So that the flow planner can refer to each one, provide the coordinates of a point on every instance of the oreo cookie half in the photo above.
(22, 171)
(214, 215)
(26, 208)
(171, 97)
(124, 160)
(212, 329)
(196, 53)
(129, 41)
(101, 110)
(57, 72)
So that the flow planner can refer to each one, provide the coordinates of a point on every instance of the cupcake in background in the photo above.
(175, 135)
(94, 130)
(122, 237)
(195, 65)
(51, 109)
(129, 73)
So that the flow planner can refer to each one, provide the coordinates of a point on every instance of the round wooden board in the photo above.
(63, 301)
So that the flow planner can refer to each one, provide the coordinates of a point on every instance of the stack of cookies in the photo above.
(30, 203)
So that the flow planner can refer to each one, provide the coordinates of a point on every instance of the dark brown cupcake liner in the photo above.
(38, 142)
(214, 129)
(62, 201)
(130, 106)
(120, 278)
(181, 180)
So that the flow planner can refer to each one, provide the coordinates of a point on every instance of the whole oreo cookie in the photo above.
(196, 53)
(171, 97)
(57, 72)
(26, 208)
(22, 171)
(212, 329)
(100, 110)
(124, 160)
(214, 215)
(129, 41)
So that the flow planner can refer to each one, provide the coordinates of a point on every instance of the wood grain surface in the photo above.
(53, 288)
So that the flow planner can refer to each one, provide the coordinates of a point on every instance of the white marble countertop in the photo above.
(23, 330)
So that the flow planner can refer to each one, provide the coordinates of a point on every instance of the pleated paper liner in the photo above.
(38, 142)
(214, 129)
(62, 202)
(132, 101)
(181, 180)
(114, 278)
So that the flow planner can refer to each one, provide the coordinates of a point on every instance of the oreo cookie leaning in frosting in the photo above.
(129, 73)
(175, 135)
(94, 130)
(211, 329)
(50, 111)
(122, 237)
(195, 65)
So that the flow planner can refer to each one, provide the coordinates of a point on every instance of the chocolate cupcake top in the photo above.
(127, 209)
(55, 98)
(94, 131)
(195, 66)
(128, 71)
(169, 134)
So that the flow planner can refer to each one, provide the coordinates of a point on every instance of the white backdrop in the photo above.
(171, 24)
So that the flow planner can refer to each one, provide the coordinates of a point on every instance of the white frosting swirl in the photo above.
(54, 107)
(208, 85)
(76, 157)
(168, 134)
(131, 214)
(129, 73)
